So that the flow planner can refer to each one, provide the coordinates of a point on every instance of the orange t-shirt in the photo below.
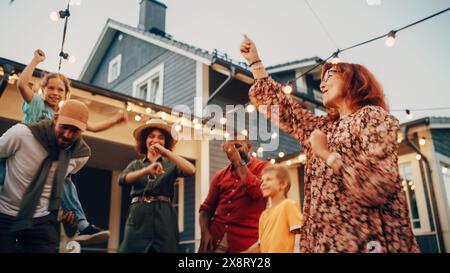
(276, 226)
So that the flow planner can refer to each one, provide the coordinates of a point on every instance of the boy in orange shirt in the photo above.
(278, 224)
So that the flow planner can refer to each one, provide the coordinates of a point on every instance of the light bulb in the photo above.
(422, 141)
(281, 154)
(223, 120)
(198, 126)
(72, 59)
(60, 104)
(260, 150)
(287, 89)
(177, 127)
(289, 162)
(148, 110)
(244, 132)
(302, 158)
(54, 16)
(137, 118)
(195, 121)
(250, 108)
(254, 154)
(274, 135)
(129, 107)
(272, 161)
(390, 39)
(335, 60)
(226, 135)
(444, 170)
(418, 157)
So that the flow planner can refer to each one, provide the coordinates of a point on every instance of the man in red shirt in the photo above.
(229, 215)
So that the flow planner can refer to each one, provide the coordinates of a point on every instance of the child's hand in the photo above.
(121, 116)
(39, 56)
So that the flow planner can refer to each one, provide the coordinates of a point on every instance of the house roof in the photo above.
(112, 27)
(204, 56)
(294, 64)
(434, 122)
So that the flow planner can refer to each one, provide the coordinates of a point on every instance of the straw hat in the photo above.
(159, 124)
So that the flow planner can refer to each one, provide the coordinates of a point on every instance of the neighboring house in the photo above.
(146, 63)
(424, 163)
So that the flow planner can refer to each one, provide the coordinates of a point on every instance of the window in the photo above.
(114, 68)
(409, 188)
(149, 87)
(178, 202)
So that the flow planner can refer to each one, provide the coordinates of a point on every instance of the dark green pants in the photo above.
(151, 228)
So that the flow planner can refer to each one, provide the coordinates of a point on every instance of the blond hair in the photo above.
(282, 173)
(64, 79)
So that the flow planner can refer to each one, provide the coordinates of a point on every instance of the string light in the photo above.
(177, 127)
(129, 107)
(223, 120)
(335, 59)
(409, 115)
(213, 130)
(444, 170)
(226, 135)
(302, 158)
(254, 154)
(390, 39)
(281, 154)
(250, 108)
(197, 126)
(422, 141)
(260, 150)
(403, 183)
(289, 162)
(272, 161)
(60, 104)
(148, 110)
(244, 132)
(195, 121)
(418, 157)
(137, 118)
(70, 58)
(274, 135)
(410, 183)
(56, 15)
(287, 89)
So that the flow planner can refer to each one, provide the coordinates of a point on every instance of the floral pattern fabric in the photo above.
(363, 207)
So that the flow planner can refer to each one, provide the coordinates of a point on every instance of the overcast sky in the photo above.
(415, 73)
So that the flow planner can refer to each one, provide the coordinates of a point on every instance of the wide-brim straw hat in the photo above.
(159, 124)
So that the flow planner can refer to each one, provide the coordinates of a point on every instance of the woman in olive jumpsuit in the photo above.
(152, 221)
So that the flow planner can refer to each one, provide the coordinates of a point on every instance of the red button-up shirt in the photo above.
(235, 206)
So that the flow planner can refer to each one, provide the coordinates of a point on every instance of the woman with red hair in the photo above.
(353, 196)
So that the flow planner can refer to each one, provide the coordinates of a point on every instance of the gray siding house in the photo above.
(147, 63)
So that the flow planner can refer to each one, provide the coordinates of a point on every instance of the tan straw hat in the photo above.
(156, 123)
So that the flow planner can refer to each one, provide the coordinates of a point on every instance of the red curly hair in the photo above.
(360, 86)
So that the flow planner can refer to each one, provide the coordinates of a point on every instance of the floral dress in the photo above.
(362, 208)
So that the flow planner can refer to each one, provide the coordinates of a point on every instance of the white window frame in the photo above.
(155, 72)
(116, 60)
(420, 194)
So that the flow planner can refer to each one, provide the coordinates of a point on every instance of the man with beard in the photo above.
(39, 156)
(230, 214)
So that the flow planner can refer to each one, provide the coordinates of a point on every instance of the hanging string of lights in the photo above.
(390, 42)
(55, 16)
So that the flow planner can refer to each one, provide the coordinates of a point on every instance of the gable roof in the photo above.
(112, 27)
(294, 64)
